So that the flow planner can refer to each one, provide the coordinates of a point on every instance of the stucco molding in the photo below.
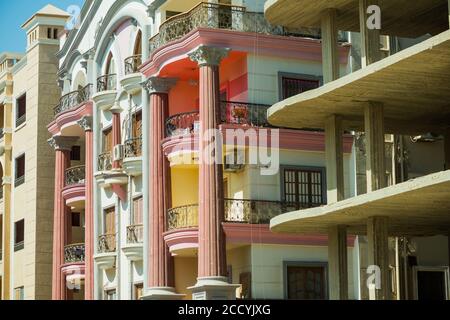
(62, 143)
(159, 85)
(208, 55)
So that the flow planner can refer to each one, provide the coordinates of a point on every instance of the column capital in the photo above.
(62, 143)
(206, 55)
(86, 123)
(159, 85)
(89, 55)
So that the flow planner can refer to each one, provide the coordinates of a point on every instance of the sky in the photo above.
(13, 13)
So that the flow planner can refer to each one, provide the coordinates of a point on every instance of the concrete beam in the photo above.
(375, 149)
(378, 250)
(370, 38)
(337, 262)
(334, 159)
(330, 55)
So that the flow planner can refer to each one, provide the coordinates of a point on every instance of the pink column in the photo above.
(62, 146)
(86, 125)
(116, 140)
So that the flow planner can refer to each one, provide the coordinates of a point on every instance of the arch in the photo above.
(80, 81)
(138, 44)
(110, 65)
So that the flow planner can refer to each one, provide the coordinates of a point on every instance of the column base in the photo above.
(162, 293)
(214, 288)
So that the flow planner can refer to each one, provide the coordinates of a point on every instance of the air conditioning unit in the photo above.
(428, 137)
(235, 161)
(118, 152)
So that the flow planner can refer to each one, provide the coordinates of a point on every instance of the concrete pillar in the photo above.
(334, 159)
(378, 250)
(212, 282)
(330, 55)
(87, 125)
(158, 255)
(63, 146)
(375, 149)
(370, 39)
(337, 263)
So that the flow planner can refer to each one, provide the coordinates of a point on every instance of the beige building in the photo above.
(28, 93)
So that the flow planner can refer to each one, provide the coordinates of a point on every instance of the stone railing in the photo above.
(132, 64)
(104, 161)
(133, 148)
(182, 124)
(74, 253)
(220, 16)
(106, 243)
(75, 175)
(73, 99)
(135, 234)
(107, 82)
(182, 217)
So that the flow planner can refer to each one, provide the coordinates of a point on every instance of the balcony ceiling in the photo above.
(415, 208)
(405, 18)
(413, 85)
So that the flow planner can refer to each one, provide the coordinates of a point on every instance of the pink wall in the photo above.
(183, 98)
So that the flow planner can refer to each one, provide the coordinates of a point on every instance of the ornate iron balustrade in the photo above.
(75, 175)
(258, 211)
(183, 123)
(74, 253)
(182, 217)
(243, 113)
(104, 161)
(135, 234)
(132, 64)
(107, 243)
(107, 82)
(73, 99)
(133, 148)
(220, 16)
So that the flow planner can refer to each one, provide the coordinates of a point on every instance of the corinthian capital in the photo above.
(159, 85)
(85, 123)
(62, 143)
(208, 56)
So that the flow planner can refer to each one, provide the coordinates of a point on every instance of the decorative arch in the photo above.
(79, 81)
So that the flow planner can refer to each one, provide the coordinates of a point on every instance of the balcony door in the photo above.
(107, 144)
(137, 125)
(306, 282)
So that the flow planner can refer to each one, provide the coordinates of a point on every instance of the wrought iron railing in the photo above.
(220, 16)
(73, 99)
(132, 64)
(182, 217)
(135, 234)
(133, 148)
(107, 82)
(75, 175)
(104, 161)
(183, 123)
(106, 243)
(21, 120)
(74, 253)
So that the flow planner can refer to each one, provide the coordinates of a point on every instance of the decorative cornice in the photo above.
(208, 56)
(159, 85)
(62, 143)
(86, 123)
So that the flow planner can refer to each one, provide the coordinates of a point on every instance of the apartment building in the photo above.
(28, 93)
(401, 228)
(141, 81)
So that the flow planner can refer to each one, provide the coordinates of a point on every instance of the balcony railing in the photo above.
(132, 64)
(182, 217)
(182, 124)
(107, 243)
(75, 175)
(21, 120)
(74, 253)
(135, 234)
(133, 148)
(107, 82)
(220, 16)
(2, 133)
(73, 99)
(105, 161)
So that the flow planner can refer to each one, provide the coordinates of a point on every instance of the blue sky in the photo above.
(13, 13)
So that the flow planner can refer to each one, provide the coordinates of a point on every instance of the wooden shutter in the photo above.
(137, 213)
(294, 86)
(107, 140)
(137, 125)
(110, 221)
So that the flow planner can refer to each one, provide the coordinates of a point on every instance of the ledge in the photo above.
(106, 261)
(69, 118)
(133, 251)
(105, 99)
(132, 83)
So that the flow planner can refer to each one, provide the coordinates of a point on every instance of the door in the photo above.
(107, 140)
(110, 229)
(306, 283)
(431, 283)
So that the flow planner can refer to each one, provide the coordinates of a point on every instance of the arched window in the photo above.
(110, 65)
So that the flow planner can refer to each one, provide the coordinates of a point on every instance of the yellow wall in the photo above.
(184, 186)
(185, 275)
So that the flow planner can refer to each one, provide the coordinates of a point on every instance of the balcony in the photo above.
(75, 176)
(219, 16)
(105, 161)
(132, 163)
(106, 91)
(183, 217)
(134, 247)
(107, 175)
(73, 99)
(133, 78)
(74, 253)
(106, 251)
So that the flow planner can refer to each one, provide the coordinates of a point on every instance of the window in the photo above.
(107, 140)
(138, 291)
(75, 153)
(137, 125)
(76, 219)
(49, 33)
(304, 187)
(55, 34)
(20, 171)
(19, 293)
(137, 211)
(110, 294)
(306, 282)
(21, 110)
(292, 85)
(19, 235)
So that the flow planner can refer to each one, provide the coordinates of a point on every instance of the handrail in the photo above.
(75, 175)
